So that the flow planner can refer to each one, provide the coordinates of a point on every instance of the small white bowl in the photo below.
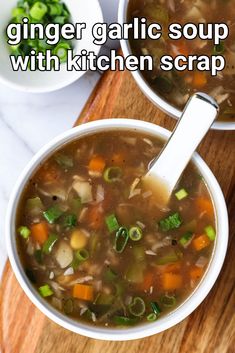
(39, 82)
(143, 330)
(146, 88)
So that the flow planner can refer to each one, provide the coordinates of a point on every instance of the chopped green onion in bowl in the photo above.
(43, 12)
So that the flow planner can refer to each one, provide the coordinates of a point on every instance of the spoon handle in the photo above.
(197, 117)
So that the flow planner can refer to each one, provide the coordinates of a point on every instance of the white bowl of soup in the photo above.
(170, 90)
(95, 252)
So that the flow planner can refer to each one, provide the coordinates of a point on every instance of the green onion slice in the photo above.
(70, 221)
(135, 233)
(155, 308)
(82, 255)
(50, 242)
(38, 10)
(112, 174)
(181, 194)
(168, 301)
(45, 291)
(61, 50)
(152, 317)
(112, 223)
(137, 307)
(24, 232)
(55, 9)
(186, 239)
(17, 11)
(60, 20)
(210, 232)
(121, 239)
(52, 214)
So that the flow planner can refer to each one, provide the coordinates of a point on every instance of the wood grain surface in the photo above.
(209, 329)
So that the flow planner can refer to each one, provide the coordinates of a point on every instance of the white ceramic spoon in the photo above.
(197, 117)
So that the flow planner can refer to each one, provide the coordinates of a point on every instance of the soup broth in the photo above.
(174, 86)
(98, 247)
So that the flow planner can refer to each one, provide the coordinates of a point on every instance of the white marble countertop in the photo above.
(28, 121)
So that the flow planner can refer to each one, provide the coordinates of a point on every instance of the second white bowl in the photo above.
(145, 87)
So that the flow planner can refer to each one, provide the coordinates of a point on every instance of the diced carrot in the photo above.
(97, 164)
(204, 205)
(118, 159)
(83, 292)
(200, 242)
(199, 79)
(39, 232)
(196, 272)
(95, 217)
(171, 281)
(147, 282)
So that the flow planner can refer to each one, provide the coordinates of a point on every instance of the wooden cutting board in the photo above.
(210, 329)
